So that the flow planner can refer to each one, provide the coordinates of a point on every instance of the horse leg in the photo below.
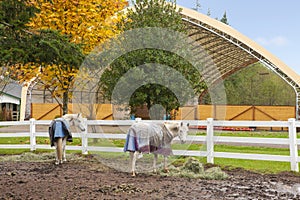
(165, 164)
(59, 150)
(64, 149)
(154, 162)
(132, 162)
(56, 157)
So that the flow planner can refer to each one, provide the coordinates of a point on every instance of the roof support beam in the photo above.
(243, 47)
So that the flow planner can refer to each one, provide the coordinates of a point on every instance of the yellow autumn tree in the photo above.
(50, 59)
(85, 22)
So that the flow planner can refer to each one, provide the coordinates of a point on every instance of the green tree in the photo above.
(197, 5)
(158, 14)
(208, 12)
(14, 15)
(224, 18)
(27, 54)
(257, 85)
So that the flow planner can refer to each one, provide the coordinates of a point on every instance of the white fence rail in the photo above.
(209, 140)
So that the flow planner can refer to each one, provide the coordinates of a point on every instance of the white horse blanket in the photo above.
(149, 138)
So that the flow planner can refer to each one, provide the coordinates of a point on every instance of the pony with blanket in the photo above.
(153, 138)
(60, 133)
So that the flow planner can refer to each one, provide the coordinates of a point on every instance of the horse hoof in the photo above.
(58, 162)
(133, 174)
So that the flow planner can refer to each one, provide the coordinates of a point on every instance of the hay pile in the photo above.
(35, 157)
(193, 168)
(27, 157)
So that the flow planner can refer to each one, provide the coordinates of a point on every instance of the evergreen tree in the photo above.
(14, 37)
(224, 18)
(208, 12)
(197, 6)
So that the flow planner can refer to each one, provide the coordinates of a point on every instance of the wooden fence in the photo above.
(48, 111)
(209, 140)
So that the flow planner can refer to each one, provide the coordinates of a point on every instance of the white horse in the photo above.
(152, 138)
(60, 141)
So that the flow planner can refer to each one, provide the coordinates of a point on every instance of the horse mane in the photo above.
(71, 116)
(172, 128)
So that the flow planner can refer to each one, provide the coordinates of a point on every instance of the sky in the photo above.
(275, 25)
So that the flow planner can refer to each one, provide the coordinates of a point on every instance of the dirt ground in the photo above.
(87, 178)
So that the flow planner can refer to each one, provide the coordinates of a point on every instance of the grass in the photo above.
(261, 134)
(21, 151)
(15, 140)
(253, 165)
(252, 150)
(26, 140)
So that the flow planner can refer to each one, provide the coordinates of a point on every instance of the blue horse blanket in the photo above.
(148, 138)
(59, 132)
(59, 128)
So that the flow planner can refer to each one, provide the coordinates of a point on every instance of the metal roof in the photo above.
(10, 93)
(231, 51)
(11, 89)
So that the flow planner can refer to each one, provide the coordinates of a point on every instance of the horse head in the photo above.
(75, 120)
(178, 129)
(183, 131)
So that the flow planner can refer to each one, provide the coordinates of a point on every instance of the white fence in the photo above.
(209, 140)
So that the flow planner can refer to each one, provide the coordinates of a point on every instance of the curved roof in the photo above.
(231, 51)
(221, 40)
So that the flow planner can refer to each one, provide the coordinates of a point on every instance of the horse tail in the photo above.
(59, 150)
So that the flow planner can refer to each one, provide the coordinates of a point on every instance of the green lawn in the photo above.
(261, 166)
(262, 134)
(254, 165)
(26, 140)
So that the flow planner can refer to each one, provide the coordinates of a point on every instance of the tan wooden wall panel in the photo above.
(104, 111)
(187, 113)
(201, 112)
(280, 113)
(48, 111)
(259, 113)
(219, 112)
(93, 111)
(43, 111)
(204, 112)
(238, 112)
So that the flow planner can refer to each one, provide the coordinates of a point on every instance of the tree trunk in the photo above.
(65, 103)
(148, 102)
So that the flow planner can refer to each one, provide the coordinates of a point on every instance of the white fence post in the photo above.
(84, 139)
(293, 145)
(32, 135)
(137, 120)
(210, 140)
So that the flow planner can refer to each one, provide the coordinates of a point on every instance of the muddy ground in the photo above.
(87, 178)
